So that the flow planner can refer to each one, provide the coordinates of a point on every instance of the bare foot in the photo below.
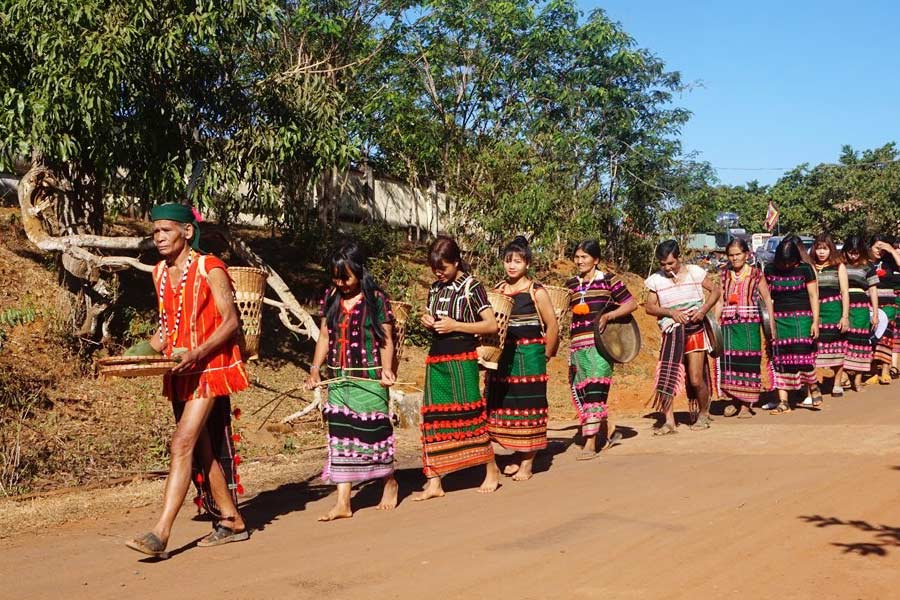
(432, 489)
(491, 479)
(389, 496)
(510, 470)
(338, 512)
(524, 472)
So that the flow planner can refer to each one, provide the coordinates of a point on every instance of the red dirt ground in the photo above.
(801, 506)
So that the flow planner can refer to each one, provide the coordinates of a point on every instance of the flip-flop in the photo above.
(587, 455)
(149, 544)
(614, 440)
(223, 535)
(664, 430)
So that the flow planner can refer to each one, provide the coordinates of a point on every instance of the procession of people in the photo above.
(751, 336)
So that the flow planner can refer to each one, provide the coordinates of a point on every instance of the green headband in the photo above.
(179, 213)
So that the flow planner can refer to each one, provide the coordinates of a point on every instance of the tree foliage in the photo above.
(859, 193)
(534, 117)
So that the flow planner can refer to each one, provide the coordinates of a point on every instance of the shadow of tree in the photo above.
(885, 536)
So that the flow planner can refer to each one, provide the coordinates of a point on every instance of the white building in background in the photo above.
(394, 202)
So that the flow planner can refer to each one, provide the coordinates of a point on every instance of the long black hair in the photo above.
(349, 257)
(788, 253)
(518, 246)
(856, 243)
(445, 249)
(886, 258)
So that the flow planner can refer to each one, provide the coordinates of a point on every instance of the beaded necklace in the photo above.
(164, 333)
(737, 277)
(582, 308)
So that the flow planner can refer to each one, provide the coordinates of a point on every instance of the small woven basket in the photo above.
(559, 297)
(491, 347)
(249, 291)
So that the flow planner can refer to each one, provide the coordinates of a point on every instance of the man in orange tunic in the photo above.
(199, 324)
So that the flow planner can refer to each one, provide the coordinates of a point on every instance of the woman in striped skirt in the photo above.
(454, 419)
(886, 259)
(680, 296)
(517, 390)
(863, 289)
(356, 340)
(596, 296)
(741, 365)
(795, 297)
(834, 315)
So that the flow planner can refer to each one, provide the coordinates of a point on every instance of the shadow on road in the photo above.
(884, 537)
(267, 506)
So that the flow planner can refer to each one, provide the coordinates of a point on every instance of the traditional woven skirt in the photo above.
(859, 348)
(360, 434)
(590, 376)
(517, 397)
(218, 428)
(794, 352)
(832, 344)
(886, 345)
(741, 365)
(454, 420)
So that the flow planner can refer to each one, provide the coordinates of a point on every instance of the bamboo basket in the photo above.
(492, 345)
(136, 366)
(249, 291)
(559, 297)
(402, 311)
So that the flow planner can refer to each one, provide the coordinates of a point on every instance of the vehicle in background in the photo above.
(758, 240)
(766, 253)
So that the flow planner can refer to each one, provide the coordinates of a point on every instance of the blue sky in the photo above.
(783, 83)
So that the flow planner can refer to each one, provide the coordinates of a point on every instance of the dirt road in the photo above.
(804, 505)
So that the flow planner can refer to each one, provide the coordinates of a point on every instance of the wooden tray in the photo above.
(136, 366)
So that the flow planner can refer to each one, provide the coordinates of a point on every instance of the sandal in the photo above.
(817, 401)
(587, 455)
(781, 409)
(730, 410)
(614, 440)
(701, 423)
(664, 430)
(223, 535)
(149, 544)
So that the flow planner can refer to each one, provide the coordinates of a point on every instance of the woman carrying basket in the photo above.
(834, 314)
(454, 421)
(517, 391)
(596, 296)
(741, 364)
(356, 340)
(795, 295)
(887, 259)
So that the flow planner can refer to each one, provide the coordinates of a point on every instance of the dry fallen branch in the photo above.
(39, 183)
